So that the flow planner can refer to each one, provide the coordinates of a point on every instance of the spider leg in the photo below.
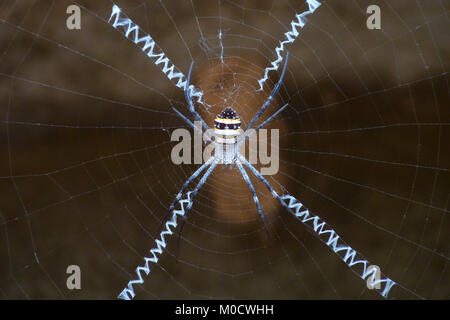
(245, 136)
(183, 188)
(187, 94)
(255, 197)
(272, 95)
(189, 122)
(271, 117)
(193, 194)
(261, 177)
(323, 231)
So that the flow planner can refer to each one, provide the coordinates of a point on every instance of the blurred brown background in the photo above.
(85, 170)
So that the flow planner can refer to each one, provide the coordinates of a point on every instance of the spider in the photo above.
(227, 138)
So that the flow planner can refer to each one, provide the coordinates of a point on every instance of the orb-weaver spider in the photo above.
(227, 138)
(226, 126)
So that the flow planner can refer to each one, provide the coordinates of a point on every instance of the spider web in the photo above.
(86, 176)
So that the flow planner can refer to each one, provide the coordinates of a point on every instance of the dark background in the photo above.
(85, 170)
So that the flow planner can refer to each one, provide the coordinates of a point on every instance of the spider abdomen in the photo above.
(227, 123)
(227, 126)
